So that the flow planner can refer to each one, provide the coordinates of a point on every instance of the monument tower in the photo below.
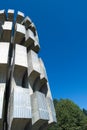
(25, 98)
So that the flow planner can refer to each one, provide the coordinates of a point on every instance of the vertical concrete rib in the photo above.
(19, 104)
(4, 53)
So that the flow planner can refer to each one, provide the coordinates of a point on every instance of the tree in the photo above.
(69, 116)
(85, 111)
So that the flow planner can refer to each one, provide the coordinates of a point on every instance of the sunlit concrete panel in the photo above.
(2, 92)
(2, 15)
(7, 30)
(19, 109)
(3, 75)
(20, 63)
(4, 52)
(49, 91)
(33, 66)
(27, 21)
(4, 56)
(40, 113)
(40, 83)
(19, 34)
(51, 110)
(20, 17)
(10, 15)
(29, 39)
(21, 55)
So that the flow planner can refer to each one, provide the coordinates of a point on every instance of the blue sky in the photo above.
(62, 29)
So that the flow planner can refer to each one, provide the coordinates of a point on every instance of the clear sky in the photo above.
(62, 29)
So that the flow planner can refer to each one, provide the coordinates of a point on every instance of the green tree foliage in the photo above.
(69, 116)
(85, 111)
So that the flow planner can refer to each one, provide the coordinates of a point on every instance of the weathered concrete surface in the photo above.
(20, 17)
(29, 39)
(19, 33)
(10, 15)
(19, 109)
(51, 110)
(7, 30)
(33, 66)
(27, 22)
(4, 52)
(2, 15)
(40, 113)
(20, 64)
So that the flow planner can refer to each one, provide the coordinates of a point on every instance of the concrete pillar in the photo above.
(19, 102)
(7, 30)
(4, 52)
(19, 33)
(2, 16)
(20, 17)
(10, 15)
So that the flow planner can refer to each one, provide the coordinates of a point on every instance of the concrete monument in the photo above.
(25, 98)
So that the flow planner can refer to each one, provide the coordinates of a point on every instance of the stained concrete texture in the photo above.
(25, 97)
(10, 15)
(2, 15)
(27, 22)
(7, 30)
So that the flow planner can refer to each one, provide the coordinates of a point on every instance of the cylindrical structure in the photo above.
(25, 98)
